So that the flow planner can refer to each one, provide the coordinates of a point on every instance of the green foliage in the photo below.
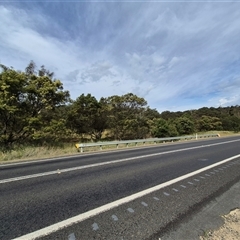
(23, 96)
(184, 125)
(127, 116)
(207, 123)
(162, 128)
(231, 123)
(34, 109)
(88, 116)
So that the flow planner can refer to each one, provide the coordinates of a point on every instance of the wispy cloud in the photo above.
(177, 56)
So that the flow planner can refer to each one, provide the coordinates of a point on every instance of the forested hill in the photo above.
(35, 109)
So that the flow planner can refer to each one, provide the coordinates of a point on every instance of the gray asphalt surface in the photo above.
(34, 203)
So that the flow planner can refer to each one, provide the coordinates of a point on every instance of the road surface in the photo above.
(127, 194)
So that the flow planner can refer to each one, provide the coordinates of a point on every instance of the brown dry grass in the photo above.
(33, 153)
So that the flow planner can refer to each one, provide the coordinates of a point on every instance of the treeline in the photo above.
(35, 109)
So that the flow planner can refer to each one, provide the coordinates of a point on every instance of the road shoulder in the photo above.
(209, 218)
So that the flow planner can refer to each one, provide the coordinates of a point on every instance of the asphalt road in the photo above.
(71, 186)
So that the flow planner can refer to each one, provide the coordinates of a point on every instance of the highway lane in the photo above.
(35, 167)
(31, 204)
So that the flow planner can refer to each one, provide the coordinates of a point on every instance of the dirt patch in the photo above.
(230, 229)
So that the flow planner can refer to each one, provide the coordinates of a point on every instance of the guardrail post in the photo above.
(80, 147)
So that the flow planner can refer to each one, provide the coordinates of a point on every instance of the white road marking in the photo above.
(99, 153)
(157, 199)
(144, 204)
(130, 210)
(196, 180)
(71, 236)
(202, 177)
(103, 163)
(207, 175)
(166, 194)
(114, 217)
(183, 186)
(190, 183)
(174, 189)
(95, 227)
(83, 216)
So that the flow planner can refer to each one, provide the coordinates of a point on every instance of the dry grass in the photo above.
(32, 153)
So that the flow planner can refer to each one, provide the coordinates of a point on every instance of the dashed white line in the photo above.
(197, 180)
(71, 236)
(190, 183)
(183, 186)
(83, 216)
(101, 164)
(130, 210)
(166, 194)
(144, 204)
(114, 217)
(95, 227)
(157, 199)
(174, 189)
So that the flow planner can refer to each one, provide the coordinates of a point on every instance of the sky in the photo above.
(177, 55)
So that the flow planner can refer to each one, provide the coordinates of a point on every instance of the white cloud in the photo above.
(174, 55)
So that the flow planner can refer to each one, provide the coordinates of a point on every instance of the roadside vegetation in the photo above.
(38, 118)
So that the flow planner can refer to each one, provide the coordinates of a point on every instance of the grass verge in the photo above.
(33, 153)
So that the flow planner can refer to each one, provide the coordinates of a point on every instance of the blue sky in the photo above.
(178, 55)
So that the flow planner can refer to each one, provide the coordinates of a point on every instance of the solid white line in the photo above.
(83, 216)
(98, 153)
(80, 155)
(106, 163)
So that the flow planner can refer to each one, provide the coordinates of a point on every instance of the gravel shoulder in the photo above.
(220, 219)
(229, 230)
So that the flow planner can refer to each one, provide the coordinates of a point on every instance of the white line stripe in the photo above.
(83, 216)
(93, 153)
(105, 163)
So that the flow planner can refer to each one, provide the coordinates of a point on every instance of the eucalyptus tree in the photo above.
(126, 118)
(87, 116)
(23, 98)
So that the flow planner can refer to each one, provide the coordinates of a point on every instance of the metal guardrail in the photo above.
(81, 146)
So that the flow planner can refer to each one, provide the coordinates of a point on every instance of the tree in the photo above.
(162, 128)
(231, 123)
(23, 96)
(184, 125)
(207, 123)
(87, 116)
(126, 116)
